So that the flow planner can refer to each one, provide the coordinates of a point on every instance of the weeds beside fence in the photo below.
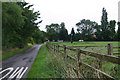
(85, 64)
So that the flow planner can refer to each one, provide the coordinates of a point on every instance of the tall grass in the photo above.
(44, 65)
(107, 67)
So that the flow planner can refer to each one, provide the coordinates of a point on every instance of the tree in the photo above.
(56, 32)
(72, 35)
(86, 28)
(12, 20)
(98, 32)
(63, 34)
(19, 24)
(53, 31)
(30, 25)
(39, 36)
(104, 25)
(111, 29)
(109, 32)
(105, 31)
(118, 31)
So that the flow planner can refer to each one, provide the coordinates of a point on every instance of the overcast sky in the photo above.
(72, 11)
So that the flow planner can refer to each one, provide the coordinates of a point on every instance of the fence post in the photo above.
(78, 63)
(64, 50)
(58, 48)
(47, 45)
(65, 60)
(110, 49)
(50, 46)
(54, 48)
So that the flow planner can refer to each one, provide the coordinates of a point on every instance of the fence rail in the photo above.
(63, 50)
(109, 48)
(88, 46)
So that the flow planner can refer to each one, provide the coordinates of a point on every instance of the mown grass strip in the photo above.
(10, 54)
(43, 65)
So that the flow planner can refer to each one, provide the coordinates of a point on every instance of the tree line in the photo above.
(86, 30)
(57, 32)
(20, 25)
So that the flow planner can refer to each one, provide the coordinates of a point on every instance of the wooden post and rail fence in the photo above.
(58, 49)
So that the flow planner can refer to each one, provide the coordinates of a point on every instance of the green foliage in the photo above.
(106, 31)
(53, 31)
(12, 20)
(118, 32)
(57, 32)
(72, 35)
(30, 25)
(20, 25)
(104, 21)
(86, 28)
(111, 29)
(43, 66)
(39, 36)
(63, 34)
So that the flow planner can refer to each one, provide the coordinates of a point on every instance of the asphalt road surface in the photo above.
(24, 59)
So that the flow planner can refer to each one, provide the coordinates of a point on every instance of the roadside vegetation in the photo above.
(19, 28)
(49, 65)
(107, 67)
(44, 65)
(12, 53)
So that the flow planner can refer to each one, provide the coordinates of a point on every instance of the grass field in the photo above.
(102, 50)
(88, 43)
(43, 66)
(10, 54)
(109, 68)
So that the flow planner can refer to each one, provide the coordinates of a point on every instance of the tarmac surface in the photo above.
(24, 59)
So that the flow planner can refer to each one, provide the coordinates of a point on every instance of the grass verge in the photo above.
(44, 65)
(10, 54)
(107, 67)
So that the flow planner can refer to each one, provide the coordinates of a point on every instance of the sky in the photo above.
(72, 11)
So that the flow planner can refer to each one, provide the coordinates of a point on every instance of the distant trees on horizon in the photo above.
(57, 32)
(20, 27)
(90, 30)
